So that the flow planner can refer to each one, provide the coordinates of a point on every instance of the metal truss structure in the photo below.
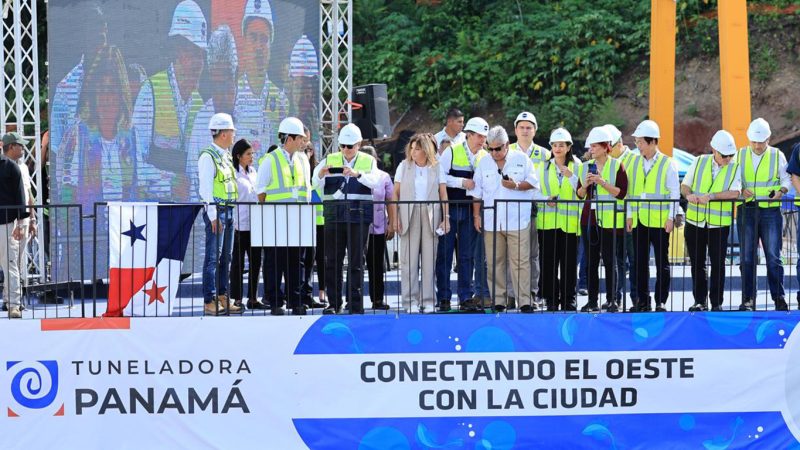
(336, 80)
(19, 109)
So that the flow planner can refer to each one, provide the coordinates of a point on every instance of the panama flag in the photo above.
(147, 243)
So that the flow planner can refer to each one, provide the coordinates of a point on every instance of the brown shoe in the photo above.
(227, 306)
(213, 309)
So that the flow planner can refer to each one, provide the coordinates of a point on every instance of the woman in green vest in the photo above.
(711, 182)
(558, 223)
(604, 184)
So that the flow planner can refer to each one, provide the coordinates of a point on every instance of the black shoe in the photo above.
(591, 307)
(604, 306)
(354, 311)
(498, 308)
(781, 305)
(641, 307)
(612, 307)
(255, 305)
(583, 291)
(278, 311)
(698, 307)
(716, 308)
(660, 307)
(315, 304)
(444, 305)
(527, 309)
(380, 306)
(299, 311)
(330, 310)
(746, 305)
(511, 303)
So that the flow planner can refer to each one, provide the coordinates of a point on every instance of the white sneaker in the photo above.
(14, 313)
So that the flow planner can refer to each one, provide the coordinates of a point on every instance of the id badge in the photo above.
(338, 195)
(644, 196)
(296, 192)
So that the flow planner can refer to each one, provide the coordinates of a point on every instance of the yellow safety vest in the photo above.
(652, 186)
(563, 216)
(762, 179)
(168, 151)
(539, 154)
(604, 210)
(287, 184)
(715, 213)
(225, 188)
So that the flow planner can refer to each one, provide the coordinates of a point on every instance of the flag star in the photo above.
(135, 233)
(155, 294)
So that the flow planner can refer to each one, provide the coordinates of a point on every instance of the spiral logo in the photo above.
(33, 385)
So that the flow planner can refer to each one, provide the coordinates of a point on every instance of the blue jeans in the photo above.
(215, 280)
(461, 224)
(764, 224)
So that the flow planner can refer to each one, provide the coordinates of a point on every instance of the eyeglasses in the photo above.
(725, 156)
(496, 149)
(347, 146)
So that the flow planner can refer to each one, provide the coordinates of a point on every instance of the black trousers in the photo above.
(242, 248)
(658, 238)
(558, 253)
(282, 263)
(349, 238)
(711, 242)
(606, 243)
(376, 251)
(306, 289)
(319, 257)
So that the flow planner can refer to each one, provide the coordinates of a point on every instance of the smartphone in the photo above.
(505, 177)
(593, 168)
(335, 169)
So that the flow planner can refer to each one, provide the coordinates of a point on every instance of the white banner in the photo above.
(283, 225)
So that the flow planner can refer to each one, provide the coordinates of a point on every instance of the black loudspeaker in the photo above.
(373, 117)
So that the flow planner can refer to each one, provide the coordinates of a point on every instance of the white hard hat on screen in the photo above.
(292, 126)
(598, 135)
(526, 116)
(560, 135)
(759, 131)
(259, 9)
(647, 128)
(613, 132)
(350, 134)
(724, 143)
(221, 121)
(188, 21)
(477, 125)
(303, 59)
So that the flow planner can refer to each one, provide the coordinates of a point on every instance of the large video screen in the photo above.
(133, 84)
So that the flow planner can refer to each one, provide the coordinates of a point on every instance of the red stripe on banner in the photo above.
(100, 323)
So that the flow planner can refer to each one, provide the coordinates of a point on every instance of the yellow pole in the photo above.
(662, 70)
(734, 68)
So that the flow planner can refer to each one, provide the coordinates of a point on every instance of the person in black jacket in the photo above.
(12, 211)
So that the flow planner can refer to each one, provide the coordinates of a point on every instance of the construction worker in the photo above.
(458, 164)
(651, 222)
(625, 256)
(604, 184)
(559, 222)
(452, 131)
(764, 181)
(709, 181)
(525, 127)
(260, 104)
(218, 189)
(284, 177)
(347, 178)
(167, 105)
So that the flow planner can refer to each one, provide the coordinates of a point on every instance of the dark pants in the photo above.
(241, 247)
(306, 289)
(559, 269)
(282, 263)
(319, 257)
(605, 242)
(341, 238)
(714, 243)
(643, 238)
(625, 263)
(376, 251)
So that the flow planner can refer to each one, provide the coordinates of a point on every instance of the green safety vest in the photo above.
(461, 160)
(764, 178)
(605, 211)
(631, 163)
(539, 154)
(286, 184)
(652, 186)
(225, 188)
(168, 151)
(715, 213)
(318, 209)
(563, 216)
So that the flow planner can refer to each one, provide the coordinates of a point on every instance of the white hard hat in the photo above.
(303, 59)
(221, 121)
(560, 135)
(758, 131)
(259, 9)
(526, 116)
(350, 134)
(477, 125)
(647, 128)
(291, 125)
(724, 143)
(613, 132)
(188, 21)
(597, 135)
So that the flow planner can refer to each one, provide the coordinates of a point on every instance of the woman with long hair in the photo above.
(419, 179)
(246, 181)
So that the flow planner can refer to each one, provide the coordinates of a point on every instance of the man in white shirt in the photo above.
(506, 175)
(452, 129)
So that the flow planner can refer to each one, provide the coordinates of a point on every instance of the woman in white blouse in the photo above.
(246, 181)
(419, 179)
